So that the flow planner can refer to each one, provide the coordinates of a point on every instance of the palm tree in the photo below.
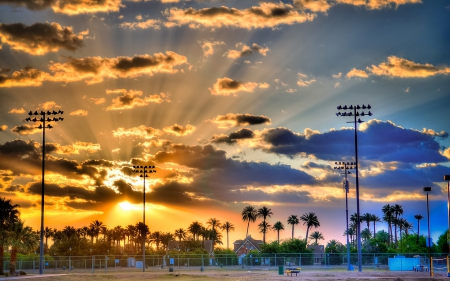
(48, 233)
(293, 219)
(8, 216)
(228, 226)
(316, 235)
(388, 216)
(180, 234)
(366, 217)
(264, 227)
(195, 229)
(264, 212)
(21, 238)
(96, 226)
(397, 210)
(278, 226)
(249, 215)
(418, 218)
(310, 219)
(374, 218)
(156, 237)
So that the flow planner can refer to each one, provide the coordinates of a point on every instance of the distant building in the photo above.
(318, 251)
(242, 247)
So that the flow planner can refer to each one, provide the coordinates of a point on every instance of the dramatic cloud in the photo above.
(3, 128)
(96, 69)
(204, 158)
(132, 99)
(266, 15)
(40, 38)
(377, 140)
(179, 130)
(139, 132)
(313, 5)
(403, 68)
(227, 87)
(74, 148)
(17, 111)
(233, 137)
(244, 50)
(303, 80)
(150, 23)
(377, 4)
(97, 100)
(79, 112)
(207, 46)
(25, 129)
(49, 105)
(234, 120)
(357, 73)
(69, 7)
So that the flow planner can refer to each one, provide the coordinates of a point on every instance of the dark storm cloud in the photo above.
(101, 162)
(69, 7)
(198, 157)
(382, 141)
(231, 119)
(40, 38)
(30, 4)
(231, 139)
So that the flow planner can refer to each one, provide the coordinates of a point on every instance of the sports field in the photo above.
(231, 274)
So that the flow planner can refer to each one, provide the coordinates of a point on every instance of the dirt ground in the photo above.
(235, 274)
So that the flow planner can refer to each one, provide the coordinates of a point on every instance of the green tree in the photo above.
(367, 218)
(249, 215)
(388, 216)
(278, 226)
(310, 219)
(96, 226)
(228, 226)
(20, 238)
(366, 234)
(374, 218)
(397, 210)
(293, 219)
(180, 234)
(264, 213)
(8, 216)
(195, 229)
(442, 245)
(263, 228)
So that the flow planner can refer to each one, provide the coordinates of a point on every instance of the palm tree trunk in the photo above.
(12, 261)
(306, 238)
(278, 237)
(374, 233)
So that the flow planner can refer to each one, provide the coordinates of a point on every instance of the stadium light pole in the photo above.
(142, 170)
(354, 111)
(346, 166)
(43, 126)
(447, 178)
(427, 190)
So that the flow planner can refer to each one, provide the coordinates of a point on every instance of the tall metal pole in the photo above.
(346, 218)
(355, 114)
(429, 236)
(41, 245)
(447, 178)
(143, 173)
(143, 230)
(43, 127)
(358, 226)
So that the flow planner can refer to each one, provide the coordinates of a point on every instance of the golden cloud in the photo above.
(266, 15)
(49, 105)
(403, 68)
(233, 120)
(96, 69)
(227, 86)
(179, 130)
(207, 46)
(378, 4)
(97, 100)
(3, 128)
(244, 50)
(313, 5)
(302, 82)
(150, 23)
(17, 111)
(357, 73)
(140, 132)
(40, 38)
(25, 129)
(131, 99)
(76, 148)
(75, 7)
(79, 112)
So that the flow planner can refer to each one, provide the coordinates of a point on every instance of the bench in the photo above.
(292, 270)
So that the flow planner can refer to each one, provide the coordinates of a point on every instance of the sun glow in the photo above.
(127, 206)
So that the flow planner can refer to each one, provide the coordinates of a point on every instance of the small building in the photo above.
(188, 245)
(318, 251)
(242, 247)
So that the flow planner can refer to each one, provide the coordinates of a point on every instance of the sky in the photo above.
(233, 102)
